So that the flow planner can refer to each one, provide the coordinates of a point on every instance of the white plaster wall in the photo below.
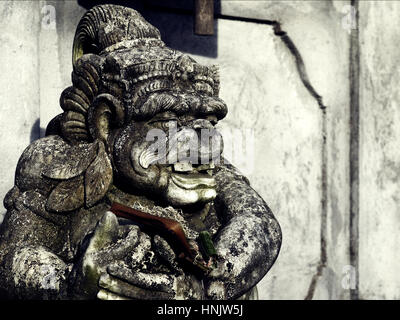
(380, 156)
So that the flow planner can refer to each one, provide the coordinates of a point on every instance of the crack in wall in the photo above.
(324, 210)
(324, 156)
(299, 63)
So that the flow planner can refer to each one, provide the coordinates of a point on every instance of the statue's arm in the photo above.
(30, 264)
(248, 243)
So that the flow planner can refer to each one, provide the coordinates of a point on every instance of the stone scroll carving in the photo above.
(127, 196)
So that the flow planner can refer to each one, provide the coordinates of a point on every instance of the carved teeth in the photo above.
(207, 166)
(183, 167)
(187, 167)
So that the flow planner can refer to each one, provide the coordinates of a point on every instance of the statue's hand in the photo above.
(114, 266)
(123, 282)
(110, 242)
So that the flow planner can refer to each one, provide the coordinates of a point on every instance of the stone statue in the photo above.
(134, 111)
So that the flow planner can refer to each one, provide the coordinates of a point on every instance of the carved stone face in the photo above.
(158, 127)
(141, 161)
(172, 153)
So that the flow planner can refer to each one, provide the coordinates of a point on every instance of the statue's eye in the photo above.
(169, 124)
(165, 124)
(165, 120)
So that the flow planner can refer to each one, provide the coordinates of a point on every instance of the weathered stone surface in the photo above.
(98, 177)
(379, 151)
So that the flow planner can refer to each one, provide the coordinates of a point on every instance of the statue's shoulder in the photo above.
(27, 199)
(58, 170)
(36, 159)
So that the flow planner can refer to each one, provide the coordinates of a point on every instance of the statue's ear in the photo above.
(105, 113)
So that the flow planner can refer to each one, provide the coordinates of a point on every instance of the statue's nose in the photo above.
(199, 124)
(211, 144)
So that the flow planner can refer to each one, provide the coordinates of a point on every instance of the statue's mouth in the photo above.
(189, 177)
(183, 182)
(193, 181)
(191, 184)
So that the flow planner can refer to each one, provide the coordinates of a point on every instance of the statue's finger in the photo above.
(122, 288)
(153, 281)
(128, 243)
(124, 229)
(107, 295)
(105, 233)
(164, 250)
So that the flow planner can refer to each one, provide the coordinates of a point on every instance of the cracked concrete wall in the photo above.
(297, 156)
